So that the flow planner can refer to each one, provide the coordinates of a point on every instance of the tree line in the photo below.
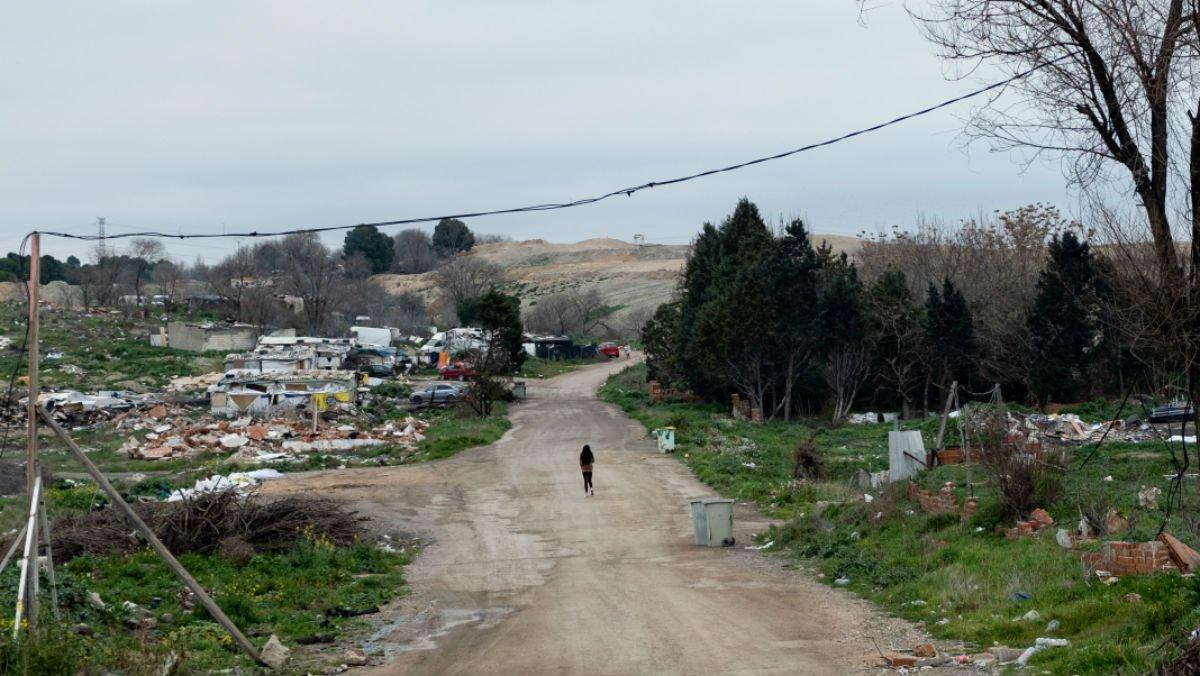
(1020, 299)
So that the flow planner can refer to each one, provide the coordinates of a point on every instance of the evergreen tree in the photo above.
(713, 325)
(896, 334)
(1063, 326)
(659, 337)
(452, 236)
(789, 274)
(949, 334)
(372, 244)
(843, 346)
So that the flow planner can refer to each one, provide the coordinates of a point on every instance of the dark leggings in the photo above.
(587, 481)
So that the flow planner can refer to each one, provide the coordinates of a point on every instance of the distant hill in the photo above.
(636, 278)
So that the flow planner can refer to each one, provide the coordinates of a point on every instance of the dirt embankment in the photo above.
(636, 278)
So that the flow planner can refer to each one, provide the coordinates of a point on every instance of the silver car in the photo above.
(438, 393)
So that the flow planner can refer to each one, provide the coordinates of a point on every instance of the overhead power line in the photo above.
(628, 192)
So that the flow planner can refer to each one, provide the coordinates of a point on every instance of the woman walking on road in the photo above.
(585, 463)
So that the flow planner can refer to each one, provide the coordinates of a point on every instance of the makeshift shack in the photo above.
(211, 336)
(276, 393)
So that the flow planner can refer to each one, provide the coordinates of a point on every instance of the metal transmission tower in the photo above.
(100, 245)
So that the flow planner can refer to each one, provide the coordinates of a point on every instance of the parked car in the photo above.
(1175, 412)
(457, 371)
(437, 393)
(610, 350)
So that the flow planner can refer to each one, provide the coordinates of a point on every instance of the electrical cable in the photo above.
(628, 192)
(12, 378)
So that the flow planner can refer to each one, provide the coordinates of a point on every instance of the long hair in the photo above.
(586, 458)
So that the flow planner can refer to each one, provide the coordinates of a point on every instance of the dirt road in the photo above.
(526, 575)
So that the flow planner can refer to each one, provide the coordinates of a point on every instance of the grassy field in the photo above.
(296, 595)
(112, 350)
(958, 579)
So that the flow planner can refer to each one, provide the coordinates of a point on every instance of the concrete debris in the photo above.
(241, 482)
(194, 383)
(275, 654)
(1031, 616)
(1039, 645)
(1148, 497)
(354, 657)
(259, 441)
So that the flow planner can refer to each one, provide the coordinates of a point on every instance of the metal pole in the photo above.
(209, 604)
(25, 587)
(13, 549)
(31, 461)
(49, 559)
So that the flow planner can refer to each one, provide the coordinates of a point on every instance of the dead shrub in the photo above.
(210, 522)
(807, 463)
(1025, 476)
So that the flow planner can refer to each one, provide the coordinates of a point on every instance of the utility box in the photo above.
(712, 522)
(665, 436)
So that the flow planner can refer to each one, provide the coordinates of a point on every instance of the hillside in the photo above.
(636, 278)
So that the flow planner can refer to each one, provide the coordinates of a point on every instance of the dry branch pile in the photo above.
(206, 523)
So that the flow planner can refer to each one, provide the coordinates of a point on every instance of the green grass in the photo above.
(956, 578)
(455, 430)
(548, 368)
(290, 594)
(111, 348)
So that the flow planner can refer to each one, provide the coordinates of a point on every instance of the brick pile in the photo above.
(942, 502)
(659, 394)
(1040, 520)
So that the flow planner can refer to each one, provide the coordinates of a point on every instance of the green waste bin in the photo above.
(712, 522)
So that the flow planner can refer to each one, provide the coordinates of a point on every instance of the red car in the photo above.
(610, 350)
(457, 371)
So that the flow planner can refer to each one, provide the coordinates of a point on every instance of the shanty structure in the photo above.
(243, 392)
(212, 336)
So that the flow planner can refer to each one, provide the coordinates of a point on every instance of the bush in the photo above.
(1024, 478)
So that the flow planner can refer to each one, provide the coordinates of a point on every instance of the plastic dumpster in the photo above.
(518, 389)
(665, 436)
(712, 521)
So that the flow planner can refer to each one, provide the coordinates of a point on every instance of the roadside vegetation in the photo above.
(125, 611)
(964, 581)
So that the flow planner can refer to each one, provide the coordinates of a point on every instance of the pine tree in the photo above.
(1064, 330)
(949, 334)
(374, 246)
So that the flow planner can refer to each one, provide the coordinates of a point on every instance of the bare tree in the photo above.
(845, 368)
(1116, 95)
(312, 272)
(168, 277)
(145, 253)
(467, 277)
(233, 278)
(414, 252)
(555, 314)
(569, 312)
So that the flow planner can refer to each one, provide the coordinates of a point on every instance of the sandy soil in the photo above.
(637, 278)
(526, 575)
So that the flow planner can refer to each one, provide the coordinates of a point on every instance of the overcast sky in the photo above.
(212, 116)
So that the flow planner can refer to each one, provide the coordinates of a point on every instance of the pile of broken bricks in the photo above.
(265, 441)
(1039, 519)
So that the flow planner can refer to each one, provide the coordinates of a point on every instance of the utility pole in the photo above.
(31, 460)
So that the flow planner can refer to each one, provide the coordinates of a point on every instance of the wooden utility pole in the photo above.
(31, 460)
